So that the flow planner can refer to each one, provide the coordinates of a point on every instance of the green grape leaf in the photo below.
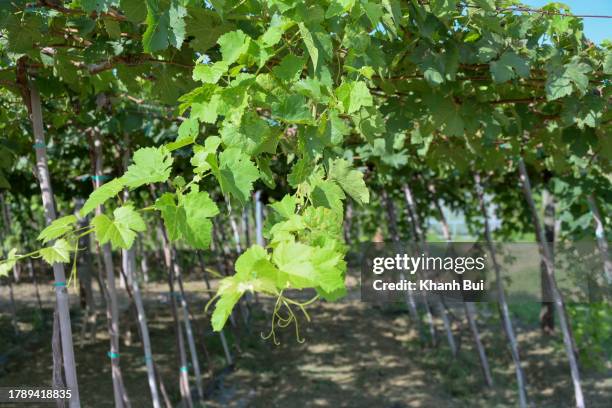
(151, 165)
(95, 5)
(101, 194)
(290, 68)
(560, 79)
(174, 216)
(7, 264)
(253, 136)
(155, 37)
(204, 26)
(292, 109)
(284, 230)
(134, 10)
(233, 45)
(326, 193)
(265, 172)
(508, 67)
(121, 231)
(445, 113)
(350, 180)
(59, 252)
(278, 25)
(199, 208)
(607, 65)
(254, 272)
(210, 73)
(207, 112)
(369, 122)
(337, 128)
(236, 173)
(187, 133)
(57, 228)
(300, 171)
(332, 296)
(295, 259)
(285, 207)
(177, 14)
(338, 7)
(488, 5)
(113, 29)
(354, 95)
(323, 221)
(254, 267)
(199, 160)
(329, 268)
(223, 308)
(438, 67)
(313, 51)
(374, 11)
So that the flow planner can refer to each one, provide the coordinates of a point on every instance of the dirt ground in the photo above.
(354, 355)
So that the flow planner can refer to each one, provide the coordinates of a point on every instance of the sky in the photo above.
(596, 29)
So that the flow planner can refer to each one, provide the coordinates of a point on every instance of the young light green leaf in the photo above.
(7, 264)
(101, 194)
(278, 25)
(254, 272)
(59, 252)
(233, 45)
(151, 165)
(122, 230)
(285, 207)
(295, 259)
(173, 215)
(210, 73)
(329, 268)
(354, 95)
(223, 308)
(57, 228)
(201, 153)
(187, 133)
(189, 128)
(207, 111)
(323, 221)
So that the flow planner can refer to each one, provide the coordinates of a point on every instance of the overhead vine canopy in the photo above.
(320, 89)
